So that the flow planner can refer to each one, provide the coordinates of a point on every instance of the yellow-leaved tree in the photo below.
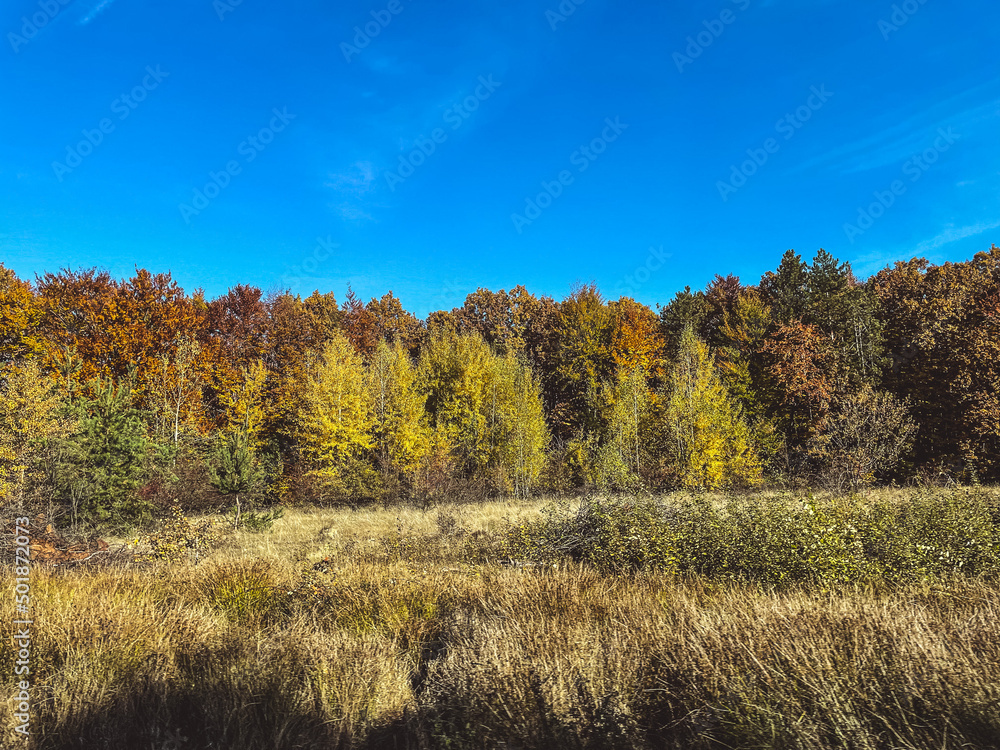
(489, 407)
(243, 402)
(401, 437)
(28, 418)
(521, 433)
(707, 437)
(336, 421)
(175, 383)
(20, 316)
(621, 459)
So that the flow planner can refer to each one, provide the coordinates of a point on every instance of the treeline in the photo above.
(116, 395)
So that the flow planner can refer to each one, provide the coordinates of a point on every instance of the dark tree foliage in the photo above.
(686, 309)
(942, 331)
(785, 290)
(100, 466)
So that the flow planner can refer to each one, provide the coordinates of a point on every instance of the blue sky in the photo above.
(738, 129)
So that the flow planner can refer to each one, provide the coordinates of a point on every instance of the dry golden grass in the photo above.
(309, 534)
(399, 641)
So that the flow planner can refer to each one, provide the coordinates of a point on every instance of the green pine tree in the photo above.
(234, 468)
(101, 465)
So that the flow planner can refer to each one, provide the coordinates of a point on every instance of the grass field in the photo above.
(407, 628)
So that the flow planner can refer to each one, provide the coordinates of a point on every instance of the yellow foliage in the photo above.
(709, 439)
(20, 315)
(28, 402)
(401, 436)
(337, 418)
(243, 402)
(488, 406)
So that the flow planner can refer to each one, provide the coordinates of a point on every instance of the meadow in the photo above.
(685, 621)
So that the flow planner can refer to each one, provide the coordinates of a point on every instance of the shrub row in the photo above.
(773, 540)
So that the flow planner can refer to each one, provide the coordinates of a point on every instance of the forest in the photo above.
(118, 396)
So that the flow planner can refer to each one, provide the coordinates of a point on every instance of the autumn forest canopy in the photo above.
(119, 395)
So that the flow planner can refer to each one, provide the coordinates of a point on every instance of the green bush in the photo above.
(774, 541)
(627, 535)
(780, 540)
(546, 540)
(611, 535)
(933, 535)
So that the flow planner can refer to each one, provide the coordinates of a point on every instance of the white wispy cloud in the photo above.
(357, 180)
(954, 234)
(95, 11)
(353, 186)
(873, 262)
(897, 142)
(349, 212)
